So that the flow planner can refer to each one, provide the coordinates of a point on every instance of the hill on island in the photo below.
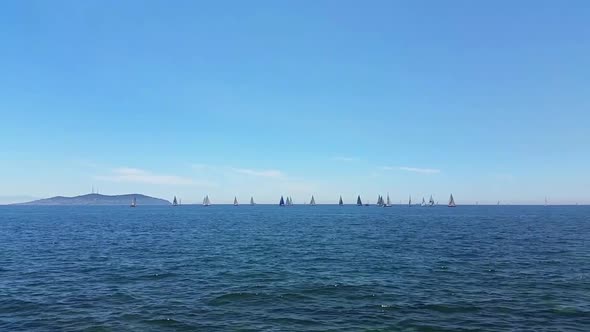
(98, 199)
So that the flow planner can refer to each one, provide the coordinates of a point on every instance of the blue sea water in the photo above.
(300, 268)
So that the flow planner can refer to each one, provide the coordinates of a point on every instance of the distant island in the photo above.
(98, 199)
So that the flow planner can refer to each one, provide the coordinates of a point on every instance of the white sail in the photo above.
(134, 202)
(235, 201)
(206, 201)
(312, 202)
(431, 201)
(410, 200)
(387, 203)
(252, 201)
(452, 201)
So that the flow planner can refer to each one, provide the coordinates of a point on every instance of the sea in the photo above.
(298, 268)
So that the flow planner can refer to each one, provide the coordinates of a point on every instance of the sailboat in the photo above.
(498, 203)
(379, 200)
(431, 201)
(312, 202)
(410, 201)
(545, 200)
(358, 201)
(174, 202)
(340, 201)
(252, 201)
(206, 201)
(423, 202)
(235, 201)
(133, 202)
(388, 202)
(290, 201)
(452, 201)
(282, 202)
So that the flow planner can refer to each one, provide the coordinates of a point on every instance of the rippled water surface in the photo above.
(300, 268)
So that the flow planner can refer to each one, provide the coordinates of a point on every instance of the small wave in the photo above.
(295, 321)
(389, 307)
(450, 308)
(121, 297)
(11, 306)
(294, 297)
(570, 311)
(238, 297)
(170, 323)
(158, 276)
(161, 321)
(332, 289)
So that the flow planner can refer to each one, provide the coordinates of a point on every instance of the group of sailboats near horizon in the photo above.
(289, 201)
(380, 201)
(387, 203)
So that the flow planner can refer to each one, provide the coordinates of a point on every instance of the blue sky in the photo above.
(484, 99)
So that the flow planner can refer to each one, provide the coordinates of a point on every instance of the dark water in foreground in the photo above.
(299, 268)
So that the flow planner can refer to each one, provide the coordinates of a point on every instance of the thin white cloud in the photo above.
(135, 175)
(411, 169)
(345, 159)
(270, 173)
(227, 170)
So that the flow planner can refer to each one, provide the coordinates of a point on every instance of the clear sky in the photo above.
(488, 100)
